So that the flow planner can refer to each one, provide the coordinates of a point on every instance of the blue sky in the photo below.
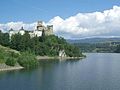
(70, 18)
(32, 10)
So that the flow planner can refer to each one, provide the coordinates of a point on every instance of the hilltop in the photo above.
(40, 41)
(23, 49)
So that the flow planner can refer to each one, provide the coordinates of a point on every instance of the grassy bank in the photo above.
(11, 59)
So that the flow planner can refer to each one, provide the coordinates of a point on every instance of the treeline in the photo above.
(99, 47)
(43, 46)
(118, 49)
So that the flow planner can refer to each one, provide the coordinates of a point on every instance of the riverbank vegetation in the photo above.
(27, 60)
(28, 48)
(43, 46)
(118, 49)
(11, 58)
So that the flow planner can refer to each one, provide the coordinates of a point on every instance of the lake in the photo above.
(98, 71)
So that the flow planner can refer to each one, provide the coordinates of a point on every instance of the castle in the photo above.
(40, 28)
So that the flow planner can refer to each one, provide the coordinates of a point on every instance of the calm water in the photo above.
(96, 72)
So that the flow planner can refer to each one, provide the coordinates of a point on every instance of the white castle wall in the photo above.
(22, 32)
(38, 32)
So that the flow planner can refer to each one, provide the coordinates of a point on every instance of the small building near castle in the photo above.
(40, 28)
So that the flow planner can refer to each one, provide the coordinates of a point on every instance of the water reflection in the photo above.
(96, 72)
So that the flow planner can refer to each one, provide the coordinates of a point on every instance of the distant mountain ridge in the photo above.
(94, 40)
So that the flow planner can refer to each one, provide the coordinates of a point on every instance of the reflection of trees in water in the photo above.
(43, 64)
(47, 63)
(9, 73)
(53, 63)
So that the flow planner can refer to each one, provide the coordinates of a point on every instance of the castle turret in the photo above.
(22, 28)
(22, 31)
(11, 32)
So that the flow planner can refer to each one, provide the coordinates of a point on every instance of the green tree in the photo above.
(11, 61)
(27, 60)
(117, 49)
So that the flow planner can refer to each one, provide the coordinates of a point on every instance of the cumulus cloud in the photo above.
(95, 24)
(106, 23)
(16, 26)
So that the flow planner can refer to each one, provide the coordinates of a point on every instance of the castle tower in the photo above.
(50, 27)
(49, 30)
(40, 26)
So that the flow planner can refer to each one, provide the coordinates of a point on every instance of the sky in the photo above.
(72, 19)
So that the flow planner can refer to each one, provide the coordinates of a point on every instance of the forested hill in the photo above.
(43, 46)
(106, 45)
(94, 40)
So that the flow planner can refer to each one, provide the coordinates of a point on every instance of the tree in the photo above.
(117, 49)
(44, 45)
(27, 60)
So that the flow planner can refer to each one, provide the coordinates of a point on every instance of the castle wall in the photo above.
(22, 32)
(38, 32)
(11, 32)
(49, 30)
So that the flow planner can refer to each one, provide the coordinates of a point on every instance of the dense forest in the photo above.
(43, 46)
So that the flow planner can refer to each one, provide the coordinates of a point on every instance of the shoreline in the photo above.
(57, 57)
(4, 67)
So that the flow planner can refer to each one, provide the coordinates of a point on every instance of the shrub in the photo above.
(27, 60)
(10, 61)
(2, 56)
(12, 54)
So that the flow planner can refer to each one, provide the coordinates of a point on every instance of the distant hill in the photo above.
(94, 40)
(106, 45)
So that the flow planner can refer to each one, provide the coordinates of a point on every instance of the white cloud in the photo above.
(16, 26)
(106, 23)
